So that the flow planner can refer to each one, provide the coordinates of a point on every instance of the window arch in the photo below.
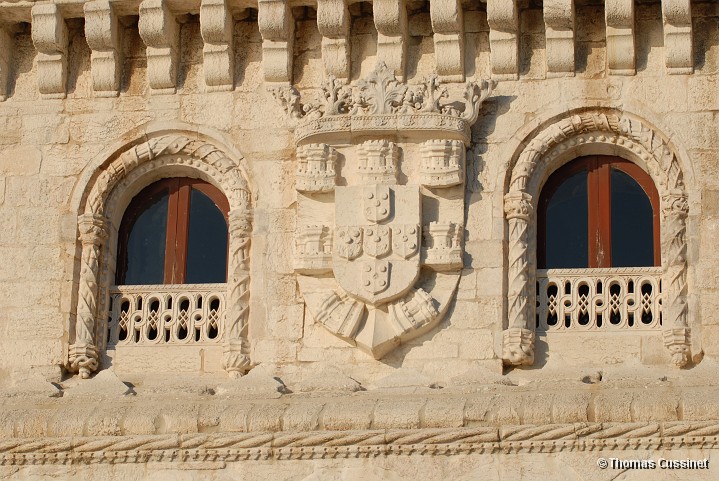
(596, 212)
(174, 232)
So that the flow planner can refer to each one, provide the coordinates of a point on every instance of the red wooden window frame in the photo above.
(179, 190)
(599, 168)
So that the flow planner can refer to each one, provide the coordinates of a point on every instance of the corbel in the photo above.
(677, 17)
(503, 19)
(333, 22)
(620, 37)
(448, 28)
(277, 27)
(7, 46)
(103, 36)
(390, 19)
(559, 28)
(161, 34)
(218, 52)
(49, 35)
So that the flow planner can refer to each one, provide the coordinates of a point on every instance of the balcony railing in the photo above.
(186, 314)
(599, 299)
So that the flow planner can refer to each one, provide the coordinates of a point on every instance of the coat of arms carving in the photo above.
(378, 256)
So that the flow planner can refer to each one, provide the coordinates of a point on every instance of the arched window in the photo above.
(174, 232)
(598, 212)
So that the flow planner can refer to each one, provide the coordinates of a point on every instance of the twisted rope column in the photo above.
(675, 209)
(83, 355)
(236, 359)
(518, 339)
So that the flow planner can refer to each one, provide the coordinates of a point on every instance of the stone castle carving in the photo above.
(385, 269)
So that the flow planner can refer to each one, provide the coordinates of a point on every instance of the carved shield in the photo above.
(405, 240)
(348, 243)
(376, 202)
(375, 276)
(376, 273)
(377, 240)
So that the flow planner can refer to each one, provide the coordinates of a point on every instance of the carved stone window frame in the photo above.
(110, 189)
(593, 133)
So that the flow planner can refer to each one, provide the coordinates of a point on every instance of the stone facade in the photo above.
(384, 315)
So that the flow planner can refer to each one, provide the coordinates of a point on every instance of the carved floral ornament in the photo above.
(111, 184)
(558, 143)
(382, 271)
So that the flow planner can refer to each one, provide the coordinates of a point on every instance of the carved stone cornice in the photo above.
(382, 105)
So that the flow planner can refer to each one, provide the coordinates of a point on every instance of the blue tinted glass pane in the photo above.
(207, 241)
(566, 224)
(146, 245)
(632, 223)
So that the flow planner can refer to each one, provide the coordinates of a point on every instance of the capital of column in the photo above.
(675, 203)
(518, 205)
(93, 228)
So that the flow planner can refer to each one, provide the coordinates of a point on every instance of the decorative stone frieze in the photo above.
(6, 49)
(678, 41)
(619, 16)
(161, 34)
(49, 35)
(391, 279)
(559, 28)
(218, 50)
(448, 27)
(315, 168)
(546, 152)
(442, 163)
(333, 22)
(103, 37)
(503, 18)
(277, 27)
(390, 19)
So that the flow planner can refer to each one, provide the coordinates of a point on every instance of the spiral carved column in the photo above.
(677, 335)
(518, 339)
(83, 355)
(236, 359)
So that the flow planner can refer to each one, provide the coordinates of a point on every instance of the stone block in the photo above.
(347, 414)
(398, 414)
(20, 160)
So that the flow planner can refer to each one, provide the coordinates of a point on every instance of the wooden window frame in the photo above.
(599, 197)
(179, 190)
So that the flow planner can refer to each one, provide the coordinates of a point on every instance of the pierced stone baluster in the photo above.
(675, 209)
(83, 355)
(236, 350)
(518, 339)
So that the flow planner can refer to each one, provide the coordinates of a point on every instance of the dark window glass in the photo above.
(207, 241)
(598, 212)
(566, 224)
(174, 232)
(632, 223)
(146, 244)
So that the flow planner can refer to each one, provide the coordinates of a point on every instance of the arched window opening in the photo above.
(598, 212)
(174, 232)
(598, 247)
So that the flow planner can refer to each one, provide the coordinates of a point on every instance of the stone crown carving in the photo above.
(382, 104)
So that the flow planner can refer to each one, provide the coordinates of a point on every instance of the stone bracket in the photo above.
(218, 50)
(277, 28)
(103, 37)
(448, 27)
(390, 19)
(621, 57)
(7, 45)
(49, 35)
(161, 33)
(559, 27)
(333, 22)
(503, 19)
(678, 47)
(517, 347)
(678, 342)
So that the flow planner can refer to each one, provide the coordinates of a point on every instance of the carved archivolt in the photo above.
(557, 144)
(157, 157)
